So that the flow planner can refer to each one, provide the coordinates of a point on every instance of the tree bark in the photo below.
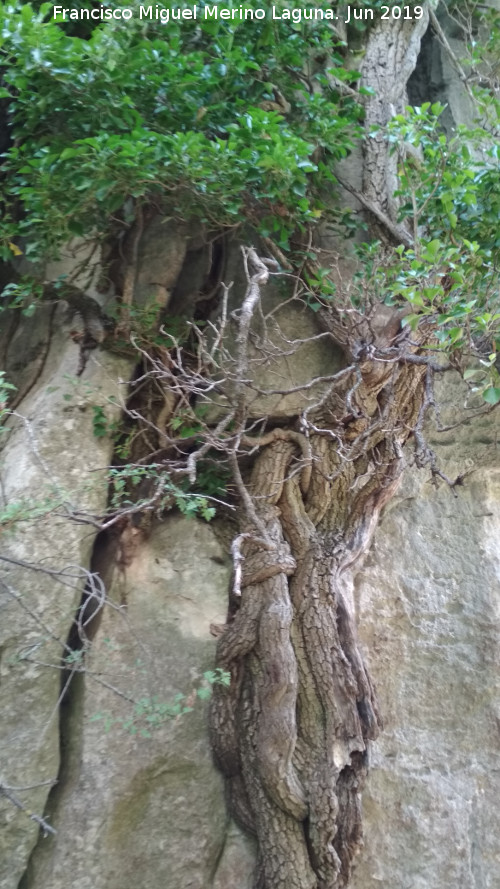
(291, 733)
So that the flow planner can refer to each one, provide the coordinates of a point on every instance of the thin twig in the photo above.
(7, 793)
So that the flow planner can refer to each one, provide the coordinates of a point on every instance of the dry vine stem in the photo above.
(7, 792)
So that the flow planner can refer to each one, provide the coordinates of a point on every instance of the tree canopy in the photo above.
(237, 123)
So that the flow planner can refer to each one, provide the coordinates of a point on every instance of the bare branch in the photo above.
(45, 826)
(398, 232)
(257, 274)
(247, 500)
(446, 44)
(407, 358)
(238, 558)
(298, 438)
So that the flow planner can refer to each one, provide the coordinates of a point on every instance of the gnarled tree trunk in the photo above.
(291, 732)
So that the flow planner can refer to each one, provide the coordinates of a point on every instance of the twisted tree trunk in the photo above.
(291, 733)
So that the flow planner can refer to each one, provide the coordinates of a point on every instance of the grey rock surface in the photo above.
(160, 256)
(51, 466)
(290, 356)
(144, 795)
(428, 605)
(428, 610)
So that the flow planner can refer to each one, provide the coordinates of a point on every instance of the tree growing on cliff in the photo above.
(232, 137)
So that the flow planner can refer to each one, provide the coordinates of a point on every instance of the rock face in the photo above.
(129, 807)
(287, 350)
(137, 797)
(138, 787)
(428, 602)
(52, 465)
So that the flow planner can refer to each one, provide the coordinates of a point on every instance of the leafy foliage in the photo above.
(6, 390)
(450, 200)
(150, 713)
(165, 493)
(23, 294)
(215, 122)
(27, 510)
(449, 187)
(228, 123)
(99, 421)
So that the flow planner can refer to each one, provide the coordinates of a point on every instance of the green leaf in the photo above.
(470, 373)
(491, 395)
